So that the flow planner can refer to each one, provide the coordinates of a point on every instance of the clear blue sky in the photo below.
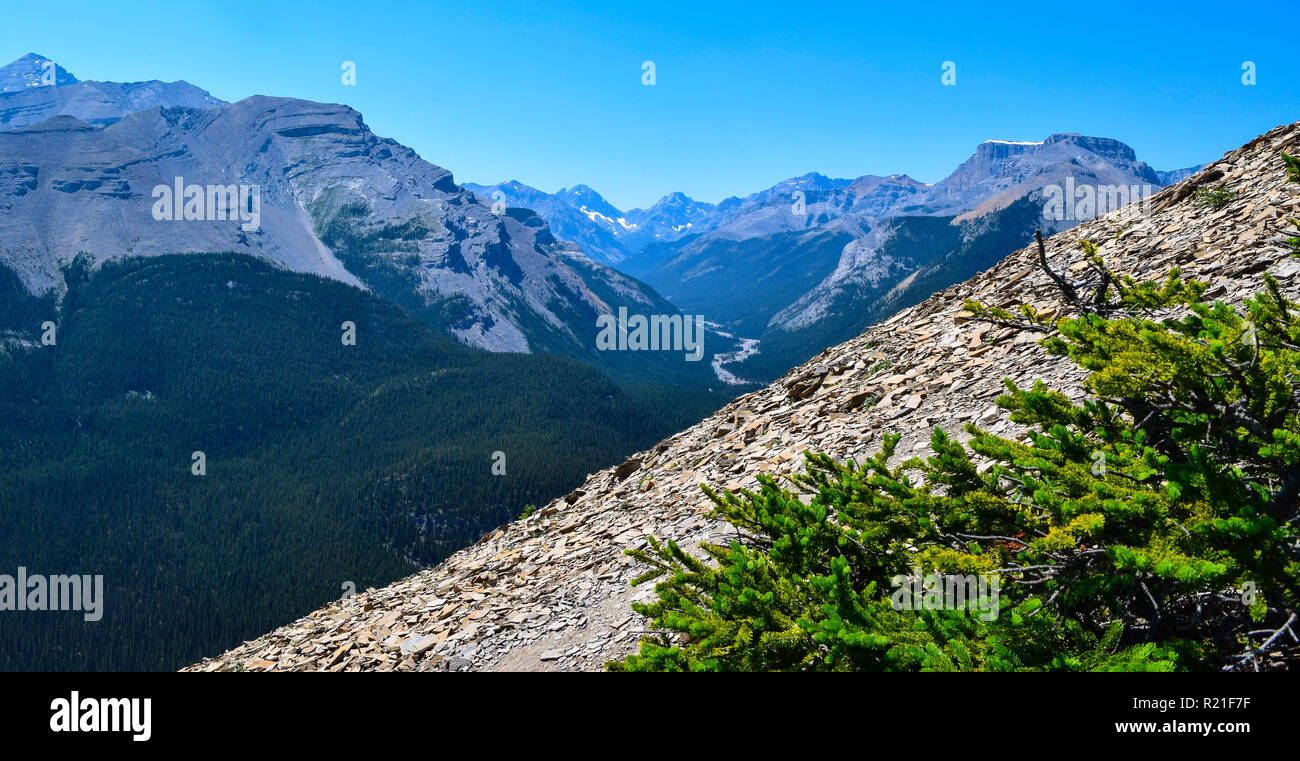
(747, 93)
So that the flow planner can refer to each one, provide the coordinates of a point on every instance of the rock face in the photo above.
(1002, 171)
(34, 88)
(551, 592)
(862, 263)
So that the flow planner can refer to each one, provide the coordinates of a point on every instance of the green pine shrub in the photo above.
(1213, 198)
(1151, 526)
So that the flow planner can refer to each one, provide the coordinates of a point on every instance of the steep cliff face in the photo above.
(551, 591)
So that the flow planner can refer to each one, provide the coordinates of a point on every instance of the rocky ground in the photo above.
(551, 592)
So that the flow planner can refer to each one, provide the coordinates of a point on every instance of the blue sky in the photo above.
(746, 94)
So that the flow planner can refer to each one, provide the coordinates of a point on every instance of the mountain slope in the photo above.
(551, 591)
(325, 463)
(746, 281)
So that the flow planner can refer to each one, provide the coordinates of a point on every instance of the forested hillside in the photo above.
(327, 465)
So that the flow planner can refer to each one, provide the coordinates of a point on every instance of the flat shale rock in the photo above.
(551, 592)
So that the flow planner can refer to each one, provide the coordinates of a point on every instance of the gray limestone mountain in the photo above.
(1002, 171)
(552, 592)
(34, 88)
(333, 199)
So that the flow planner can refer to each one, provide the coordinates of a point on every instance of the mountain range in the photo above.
(813, 260)
(778, 274)
(334, 200)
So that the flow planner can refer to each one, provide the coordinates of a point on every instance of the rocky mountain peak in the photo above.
(33, 70)
(583, 196)
(672, 214)
(814, 180)
(870, 182)
(1102, 146)
(676, 199)
(1002, 170)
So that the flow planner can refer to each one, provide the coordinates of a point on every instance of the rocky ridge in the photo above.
(551, 592)
(34, 88)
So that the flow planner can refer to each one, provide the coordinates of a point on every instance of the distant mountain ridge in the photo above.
(582, 215)
(996, 167)
(34, 88)
(809, 261)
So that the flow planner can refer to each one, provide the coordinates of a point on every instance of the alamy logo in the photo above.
(78, 714)
(209, 203)
(1083, 201)
(58, 592)
(935, 591)
(658, 332)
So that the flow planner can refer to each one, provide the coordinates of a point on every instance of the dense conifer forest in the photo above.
(326, 465)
